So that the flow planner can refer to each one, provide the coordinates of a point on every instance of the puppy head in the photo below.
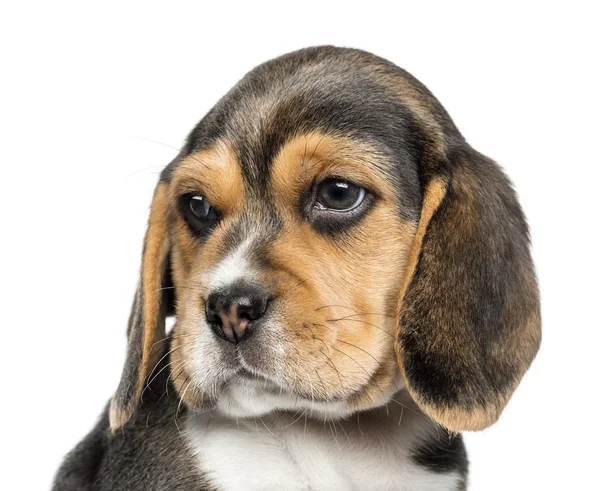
(329, 237)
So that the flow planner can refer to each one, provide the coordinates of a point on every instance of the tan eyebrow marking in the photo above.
(215, 172)
(309, 157)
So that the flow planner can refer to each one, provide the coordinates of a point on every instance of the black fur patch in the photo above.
(442, 454)
(148, 453)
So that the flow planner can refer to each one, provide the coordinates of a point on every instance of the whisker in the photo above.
(358, 424)
(274, 436)
(145, 169)
(342, 427)
(332, 423)
(173, 380)
(363, 368)
(157, 374)
(179, 405)
(376, 360)
(194, 288)
(334, 305)
(363, 322)
(365, 313)
(335, 368)
(401, 414)
(404, 406)
(155, 366)
(157, 142)
(298, 418)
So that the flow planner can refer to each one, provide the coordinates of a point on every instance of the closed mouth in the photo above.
(266, 384)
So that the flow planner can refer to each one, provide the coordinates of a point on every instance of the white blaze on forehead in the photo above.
(233, 267)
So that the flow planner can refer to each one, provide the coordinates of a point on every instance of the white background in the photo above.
(94, 101)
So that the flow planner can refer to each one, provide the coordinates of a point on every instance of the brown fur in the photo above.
(155, 256)
(346, 331)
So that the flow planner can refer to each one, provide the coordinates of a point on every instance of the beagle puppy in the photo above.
(352, 287)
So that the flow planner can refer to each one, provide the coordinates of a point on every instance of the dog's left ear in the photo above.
(152, 302)
(469, 315)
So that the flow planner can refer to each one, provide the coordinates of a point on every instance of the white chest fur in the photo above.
(283, 451)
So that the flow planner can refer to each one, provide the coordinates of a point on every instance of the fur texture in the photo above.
(420, 297)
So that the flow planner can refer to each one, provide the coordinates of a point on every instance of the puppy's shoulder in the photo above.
(148, 453)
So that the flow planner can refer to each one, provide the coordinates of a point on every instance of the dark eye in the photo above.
(200, 206)
(339, 195)
(198, 212)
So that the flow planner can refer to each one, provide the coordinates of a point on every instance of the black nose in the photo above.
(233, 313)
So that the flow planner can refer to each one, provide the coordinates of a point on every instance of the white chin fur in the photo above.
(252, 398)
(248, 398)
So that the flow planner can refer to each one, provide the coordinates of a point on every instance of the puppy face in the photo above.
(330, 238)
(310, 244)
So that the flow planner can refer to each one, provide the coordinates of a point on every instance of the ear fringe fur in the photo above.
(470, 327)
(147, 319)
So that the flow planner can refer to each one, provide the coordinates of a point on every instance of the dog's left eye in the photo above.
(339, 195)
(198, 212)
(200, 206)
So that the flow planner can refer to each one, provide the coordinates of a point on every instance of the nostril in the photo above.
(253, 309)
(212, 311)
(213, 317)
(261, 307)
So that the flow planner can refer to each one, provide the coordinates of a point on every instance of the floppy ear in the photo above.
(147, 319)
(469, 315)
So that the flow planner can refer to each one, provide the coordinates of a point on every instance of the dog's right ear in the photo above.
(152, 300)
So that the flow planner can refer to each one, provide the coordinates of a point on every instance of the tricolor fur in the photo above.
(389, 328)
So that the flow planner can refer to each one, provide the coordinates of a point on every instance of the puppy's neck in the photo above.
(291, 450)
(248, 397)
